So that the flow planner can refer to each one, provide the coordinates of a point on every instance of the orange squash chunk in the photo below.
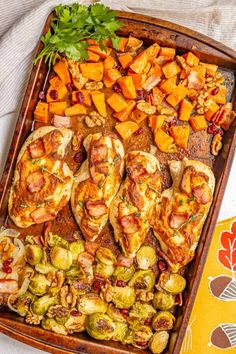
(109, 63)
(220, 97)
(62, 70)
(167, 52)
(92, 71)
(198, 122)
(86, 94)
(106, 42)
(185, 110)
(171, 69)
(137, 79)
(133, 43)
(122, 44)
(57, 108)
(126, 129)
(75, 110)
(59, 87)
(125, 114)
(154, 77)
(141, 60)
(102, 53)
(111, 76)
(98, 99)
(94, 58)
(212, 109)
(211, 69)
(177, 95)
(125, 60)
(138, 116)
(180, 133)
(127, 86)
(117, 102)
(191, 59)
(157, 96)
(163, 141)
(41, 112)
(169, 85)
(155, 122)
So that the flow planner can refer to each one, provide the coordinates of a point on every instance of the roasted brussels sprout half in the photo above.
(104, 270)
(39, 284)
(23, 303)
(76, 248)
(55, 240)
(33, 254)
(163, 321)
(50, 324)
(61, 258)
(120, 331)
(172, 283)
(76, 323)
(163, 301)
(75, 272)
(123, 297)
(143, 279)
(105, 256)
(91, 303)
(138, 336)
(146, 257)
(42, 304)
(141, 312)
(159, 342)
(44, 268)
(100, 326)
(123, 273)
(115, 314)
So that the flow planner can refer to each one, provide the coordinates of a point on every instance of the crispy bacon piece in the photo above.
(135, 196)
(202, 193)
(41, 215)
(98, 154)
(61, 121)
(129, 224)
(124, 261)
(185, 185)
(85, 259)
(8, 286)
(35, 182)
(96, 208)
(136, 171)
(224, 116)
(176, 220)
(91, 247)
(36, 149)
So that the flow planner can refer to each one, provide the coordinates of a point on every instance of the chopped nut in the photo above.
(146, 107)
(216, 144)
(56, 279)
(93, 85)
(93, 119)
(143, 295)
(68, 296)
(57, 310)
(79, 80)
(33, 319)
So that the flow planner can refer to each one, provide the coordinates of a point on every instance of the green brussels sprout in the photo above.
(91, 303)
(76, 248)
(146, 257)
(115, 314)
(55, 240)
(33, 254)
(138, 336)
(143, 279)
(141, 312)
(61, 258)
(23, 303)
(120, 331)
(42, 304)
(104, 270)
(163, 301)
(123, 273)
(29, 239)
(100, 326)
(76, 323)
(44, 268)
(50, 324)
(123, 297)
(105, 255)
(172, 283)
(39, 284)
(163, 321)
(75, 272)
(159, 342)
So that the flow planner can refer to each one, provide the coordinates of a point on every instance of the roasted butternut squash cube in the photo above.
(180, 133)
(169, 85)
(109, 63)
(177, 95)
(41, 112)
(125, 114)
(117, 102)
(191, 59)
(157, 96)
(102, 53)
(127, 86)
(211, 69)
(198, 122)
(154, 77)
(133, 44)
(92, 71)
(212, 109)
(126, 129)
(61, 68)
(138, 116)
(167, 52)
(185, 110)
(98, 99)
(164, 142)
(220, 97)
(57, 108)
(122, 44)
(137, 79)
(171, 69)
(86, 94)
(155, 122)
(125, 59)
(152, 52)
(57, 91)
(140, 62)
(92, 57)
(75, 110)
(111, 76)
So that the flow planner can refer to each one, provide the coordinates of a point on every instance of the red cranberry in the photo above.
(97, 284)
(69, 86)
(162, 265)
(212, 129)
(76, 313)
(124, 311)
(215, 91)
(148, 321)
(141, 344)
(80, 97)
(7, 270)
(207, 75)
(121, 283)
(117, 88)
(79, 156)
(173, 122)
(42, 95)
(141, 95)
(54, 94)
(7, 262)
(139, 131)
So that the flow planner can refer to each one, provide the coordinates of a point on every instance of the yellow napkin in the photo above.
(212, 325)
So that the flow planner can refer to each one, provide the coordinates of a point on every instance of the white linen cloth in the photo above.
(21, 23)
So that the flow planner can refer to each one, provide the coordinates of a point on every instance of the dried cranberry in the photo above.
(162, 265)
(80, 97)
(124, 311)
(76, 313)
(117, 88)
(148, 321)
(141, 344)
(139, 131)
(141, 95)
(79, 156)
(7, 262)
(69, 86)
(54, 94)
(7, 270)
(212, 129)
(215, 91)
(42, 95)
(97, 284)
(173, 122)
(121, 283)
(207, 75)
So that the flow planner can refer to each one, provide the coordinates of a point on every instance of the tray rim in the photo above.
(140, 18)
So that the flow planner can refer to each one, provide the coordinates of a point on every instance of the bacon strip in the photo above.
(36, 149)
(35, 182)
(96, 208)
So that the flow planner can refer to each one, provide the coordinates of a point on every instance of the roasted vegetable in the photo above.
(180, 133)
(75, 110)
(171, 69)
(127, 86)
(120, 331)
(41, 112)
(103, 270)
(100, 326)
(92, 71)
(126, 129)
(39, 285)
(115, 314)
(62, 70)
(75, 323)
(123, 273)
(172, 283)
(76, 248)
(42, 304)
(117, 102)
(163, 301)
(146, 257)
(143, 279)
(159, 342)
(123, 297)
(33, 254)
(50, 324)
(141, 312)
(91, 303)
(23, 302)
(177, 95)
(198, 122)
(163, 321)
(139, 336)
(164, 141)
(125, 113)
(98, 99)
(185, 110)
(105, 255)
(55, 240)
(61, 258)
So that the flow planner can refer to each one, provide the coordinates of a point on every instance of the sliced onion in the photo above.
(18, 254)
(9, 233)
(22, 290)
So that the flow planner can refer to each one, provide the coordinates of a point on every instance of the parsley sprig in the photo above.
(72, 25)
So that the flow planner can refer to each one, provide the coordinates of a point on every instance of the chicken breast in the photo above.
(96, 183)
(179, 217)
(132, 207)
(42, 180)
